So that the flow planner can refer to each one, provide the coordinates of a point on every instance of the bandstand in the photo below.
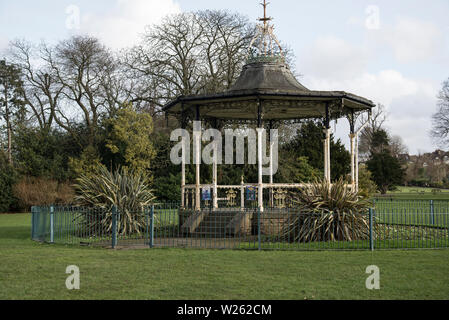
(265, 95)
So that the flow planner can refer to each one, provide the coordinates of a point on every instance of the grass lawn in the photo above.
(31, 270)
(416, 193)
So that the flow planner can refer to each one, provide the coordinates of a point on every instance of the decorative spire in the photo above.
(265, 19)
(265, 46)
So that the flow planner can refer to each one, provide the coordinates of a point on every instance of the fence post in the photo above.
(114, 227)
(52, 224)
(371, 239)
(147, 225)
(152, 227)
(432, 213)
(33, 222)
(38, 224)
(259, 229)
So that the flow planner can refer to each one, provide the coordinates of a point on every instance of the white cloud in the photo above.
(410, 118)
(382, 87)
(121, 26)
(409, 102)
(413, 40)
(333, 58)
(355, 21)
(3, 44)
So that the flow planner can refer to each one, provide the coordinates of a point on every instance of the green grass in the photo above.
(418, 190)
(416, 193)
(30, 270)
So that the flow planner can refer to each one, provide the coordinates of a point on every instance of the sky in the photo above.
(395, 53)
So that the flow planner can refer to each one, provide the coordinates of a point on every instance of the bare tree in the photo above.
(78, 81)
(91, 85)
(188, 53)
(42, 91)
(11, 99)
(440, 130)
(397, 146)
(376, 123)
(226, 40)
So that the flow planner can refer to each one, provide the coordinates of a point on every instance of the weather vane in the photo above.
(265, 40)
(265, 19)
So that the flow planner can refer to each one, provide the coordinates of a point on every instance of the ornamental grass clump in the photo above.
(329, 212)
(126, 189)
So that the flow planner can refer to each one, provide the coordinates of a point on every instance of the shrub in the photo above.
(366, 185)
(31, 191)
(7, 179)
(329, 213)
(126, 189)
(43, 153)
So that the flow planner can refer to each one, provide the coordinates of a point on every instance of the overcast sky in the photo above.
(392, 52)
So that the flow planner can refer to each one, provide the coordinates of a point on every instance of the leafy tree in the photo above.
(386, 169)
(167, 176)
(297, 171)
(42, 153)
(308, 142)
(380, 142)
(168, 188)
(128, 138)
(87, 163)
(7, 179)
(367, 186)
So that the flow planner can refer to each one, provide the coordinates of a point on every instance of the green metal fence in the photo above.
(388, 225)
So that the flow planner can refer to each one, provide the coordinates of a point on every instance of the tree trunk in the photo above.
(8, 126)
(9, 143)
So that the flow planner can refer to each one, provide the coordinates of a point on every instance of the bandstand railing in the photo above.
(240, 196)
(244, 196)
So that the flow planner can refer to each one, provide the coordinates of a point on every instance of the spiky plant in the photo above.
(126, 189)
(329, 212)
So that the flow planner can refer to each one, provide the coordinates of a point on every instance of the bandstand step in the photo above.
(216, 224)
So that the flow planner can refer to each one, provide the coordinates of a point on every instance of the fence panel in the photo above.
(389, 225)
(404, 224)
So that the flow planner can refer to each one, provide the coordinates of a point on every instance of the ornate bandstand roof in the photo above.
(266, 82)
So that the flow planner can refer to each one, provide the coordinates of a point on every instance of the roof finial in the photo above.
(265, 19)
(265, 45)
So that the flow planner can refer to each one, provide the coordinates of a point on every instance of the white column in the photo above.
(242, 195)
(271, 172)
(215, 177)
(353, 184)
(183, 174)
(197, 162)
(327, 157)
(260, 163)
(356, 163)
(329, 154)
